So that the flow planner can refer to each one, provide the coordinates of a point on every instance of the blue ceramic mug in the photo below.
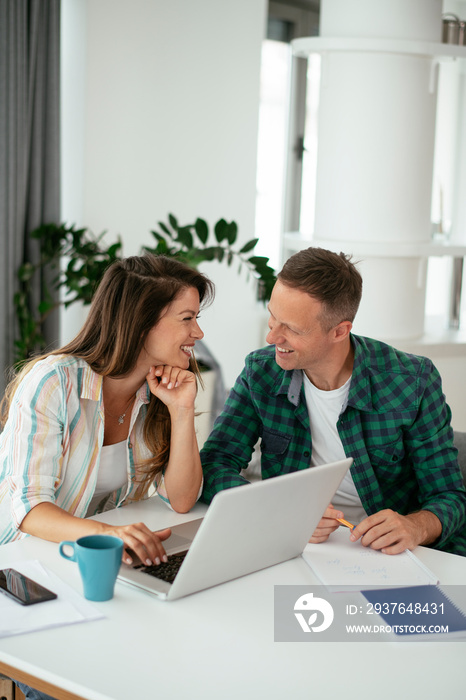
(99, 560)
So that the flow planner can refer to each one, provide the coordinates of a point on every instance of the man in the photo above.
(321, 393)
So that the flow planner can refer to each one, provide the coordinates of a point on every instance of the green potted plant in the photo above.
(192, 244)
(86, 257)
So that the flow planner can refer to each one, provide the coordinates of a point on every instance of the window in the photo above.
(287, 153)
(287, 138)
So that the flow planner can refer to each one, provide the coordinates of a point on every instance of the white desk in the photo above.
(218, 644)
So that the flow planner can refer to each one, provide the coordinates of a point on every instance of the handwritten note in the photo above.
(343, 565)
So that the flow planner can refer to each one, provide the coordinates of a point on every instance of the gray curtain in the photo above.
(29, 147)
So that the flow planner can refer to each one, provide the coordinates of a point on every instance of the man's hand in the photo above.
(327, 525)
(392, 533)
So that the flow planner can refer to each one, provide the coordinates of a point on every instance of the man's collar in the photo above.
(360, 395)
(291, 385)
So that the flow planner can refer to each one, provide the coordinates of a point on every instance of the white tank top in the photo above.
(112, 473)
(324, 408)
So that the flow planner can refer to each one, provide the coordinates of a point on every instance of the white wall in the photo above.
(160, 115)
(160, 112)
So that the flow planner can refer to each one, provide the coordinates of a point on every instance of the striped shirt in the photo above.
(395, 425)
(51, 444)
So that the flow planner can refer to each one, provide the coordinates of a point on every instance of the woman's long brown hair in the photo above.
(128, 303)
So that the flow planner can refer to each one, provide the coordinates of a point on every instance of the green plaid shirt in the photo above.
(396, 426)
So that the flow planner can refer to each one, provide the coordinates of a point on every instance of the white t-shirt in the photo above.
(324, 408)
(112, 473)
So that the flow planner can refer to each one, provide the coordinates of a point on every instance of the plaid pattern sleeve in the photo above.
(397, 429)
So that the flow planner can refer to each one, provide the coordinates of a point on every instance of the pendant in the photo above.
(121, 419)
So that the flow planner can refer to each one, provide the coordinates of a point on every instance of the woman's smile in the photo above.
(171, 341)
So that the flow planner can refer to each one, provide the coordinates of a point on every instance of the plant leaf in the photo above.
(164, 228)
(45, 306)
(258, 261)
(249, 245)
(220, 230)
(210, 253)
(158, 236)
(185, 237)
(202, 230)
(231, 232)
(173, 222)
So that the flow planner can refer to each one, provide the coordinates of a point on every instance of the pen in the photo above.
(345, 522)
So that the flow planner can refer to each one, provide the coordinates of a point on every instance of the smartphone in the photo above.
(23, 589)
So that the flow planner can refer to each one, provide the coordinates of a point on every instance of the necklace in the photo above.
(121, 417)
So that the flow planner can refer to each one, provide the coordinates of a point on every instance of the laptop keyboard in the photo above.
(166, 570)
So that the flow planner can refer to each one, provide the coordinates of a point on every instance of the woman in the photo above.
(93, 425)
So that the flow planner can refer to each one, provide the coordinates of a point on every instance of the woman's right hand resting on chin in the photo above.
(49, 522)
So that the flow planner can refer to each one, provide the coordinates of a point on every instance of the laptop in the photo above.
(245, 529)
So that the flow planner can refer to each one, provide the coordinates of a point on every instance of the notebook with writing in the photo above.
(245, 529)
(342, 565)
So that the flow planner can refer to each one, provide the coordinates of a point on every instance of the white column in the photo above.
(376, 149)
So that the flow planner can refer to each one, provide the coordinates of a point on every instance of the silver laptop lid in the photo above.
(248, 528)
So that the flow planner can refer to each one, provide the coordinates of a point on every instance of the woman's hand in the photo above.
(48, 521)
(177, 389)
(142, 542)
(174, 386)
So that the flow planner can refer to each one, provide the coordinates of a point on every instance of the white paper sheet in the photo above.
(342, 565)
(69, 608)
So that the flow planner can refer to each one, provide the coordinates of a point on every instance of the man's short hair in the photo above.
(329, 277)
